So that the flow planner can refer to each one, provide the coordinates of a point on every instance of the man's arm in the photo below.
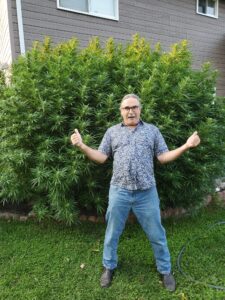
(192, 141)
(92, 154)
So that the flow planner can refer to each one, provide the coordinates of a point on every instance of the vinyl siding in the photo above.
(164, 21)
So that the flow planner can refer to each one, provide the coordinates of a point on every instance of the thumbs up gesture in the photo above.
(193, 140)
(76, 138)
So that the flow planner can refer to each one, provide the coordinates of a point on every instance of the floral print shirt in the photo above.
(133, 152)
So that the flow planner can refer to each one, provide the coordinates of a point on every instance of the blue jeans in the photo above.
(145, 205)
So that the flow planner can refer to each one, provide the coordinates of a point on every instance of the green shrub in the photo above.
(57, 89)
(2, 82)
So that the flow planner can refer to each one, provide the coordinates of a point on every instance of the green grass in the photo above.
(42, 261)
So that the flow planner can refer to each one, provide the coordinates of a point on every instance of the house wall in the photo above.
(167, 21)
(6, 45)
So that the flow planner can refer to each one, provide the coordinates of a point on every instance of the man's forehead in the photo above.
(130, 101)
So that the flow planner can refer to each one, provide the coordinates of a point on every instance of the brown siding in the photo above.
(167, 21)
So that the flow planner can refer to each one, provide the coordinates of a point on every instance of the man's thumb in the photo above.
(76, 131)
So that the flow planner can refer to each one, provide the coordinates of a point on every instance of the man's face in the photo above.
(130, 111)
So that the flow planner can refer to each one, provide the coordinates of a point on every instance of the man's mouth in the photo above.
(131, 117)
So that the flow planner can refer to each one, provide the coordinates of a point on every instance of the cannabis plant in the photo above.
(55, 89)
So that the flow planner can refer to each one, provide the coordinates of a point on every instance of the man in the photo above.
(133, 144)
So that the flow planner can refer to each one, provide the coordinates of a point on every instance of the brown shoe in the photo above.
(106, 278)
(169, 282)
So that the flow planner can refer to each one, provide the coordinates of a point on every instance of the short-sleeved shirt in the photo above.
(133, 152)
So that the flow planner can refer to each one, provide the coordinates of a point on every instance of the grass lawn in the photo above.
(43, 261)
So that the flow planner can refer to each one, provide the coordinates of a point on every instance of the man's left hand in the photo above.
(193, 140)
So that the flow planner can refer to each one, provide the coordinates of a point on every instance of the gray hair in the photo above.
(131, 96)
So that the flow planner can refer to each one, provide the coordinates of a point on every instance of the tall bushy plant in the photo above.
(57, 89)
(2, 82)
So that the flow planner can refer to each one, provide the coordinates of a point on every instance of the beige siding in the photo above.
(5, 42)
(167, 21)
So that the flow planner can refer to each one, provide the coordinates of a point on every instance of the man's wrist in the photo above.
(186, 147)
(81, 146)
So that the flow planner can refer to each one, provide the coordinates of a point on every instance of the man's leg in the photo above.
(146, 208)
(116, 216)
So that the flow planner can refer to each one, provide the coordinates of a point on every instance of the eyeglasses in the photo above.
(128, 108)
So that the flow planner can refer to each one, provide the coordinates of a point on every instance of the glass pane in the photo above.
(106, 7)
(81, 5)
(211, 9)
(202, 6)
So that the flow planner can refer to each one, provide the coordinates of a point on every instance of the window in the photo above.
(105, 9)
(208, 8)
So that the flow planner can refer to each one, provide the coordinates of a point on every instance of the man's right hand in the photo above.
(92, 154)
(76, 139)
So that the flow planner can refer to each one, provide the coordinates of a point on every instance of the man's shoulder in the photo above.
(114, 128)
(150, 126)
(113, 131)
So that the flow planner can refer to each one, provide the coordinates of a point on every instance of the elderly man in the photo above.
(133, 144)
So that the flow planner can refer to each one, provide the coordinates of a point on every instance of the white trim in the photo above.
(208, 15)
(116, 18)
(20, 26)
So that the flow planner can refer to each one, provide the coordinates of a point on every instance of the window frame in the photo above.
(116, 18)
(208, 15)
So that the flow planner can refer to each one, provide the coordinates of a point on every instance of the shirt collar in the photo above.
(139, 123)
